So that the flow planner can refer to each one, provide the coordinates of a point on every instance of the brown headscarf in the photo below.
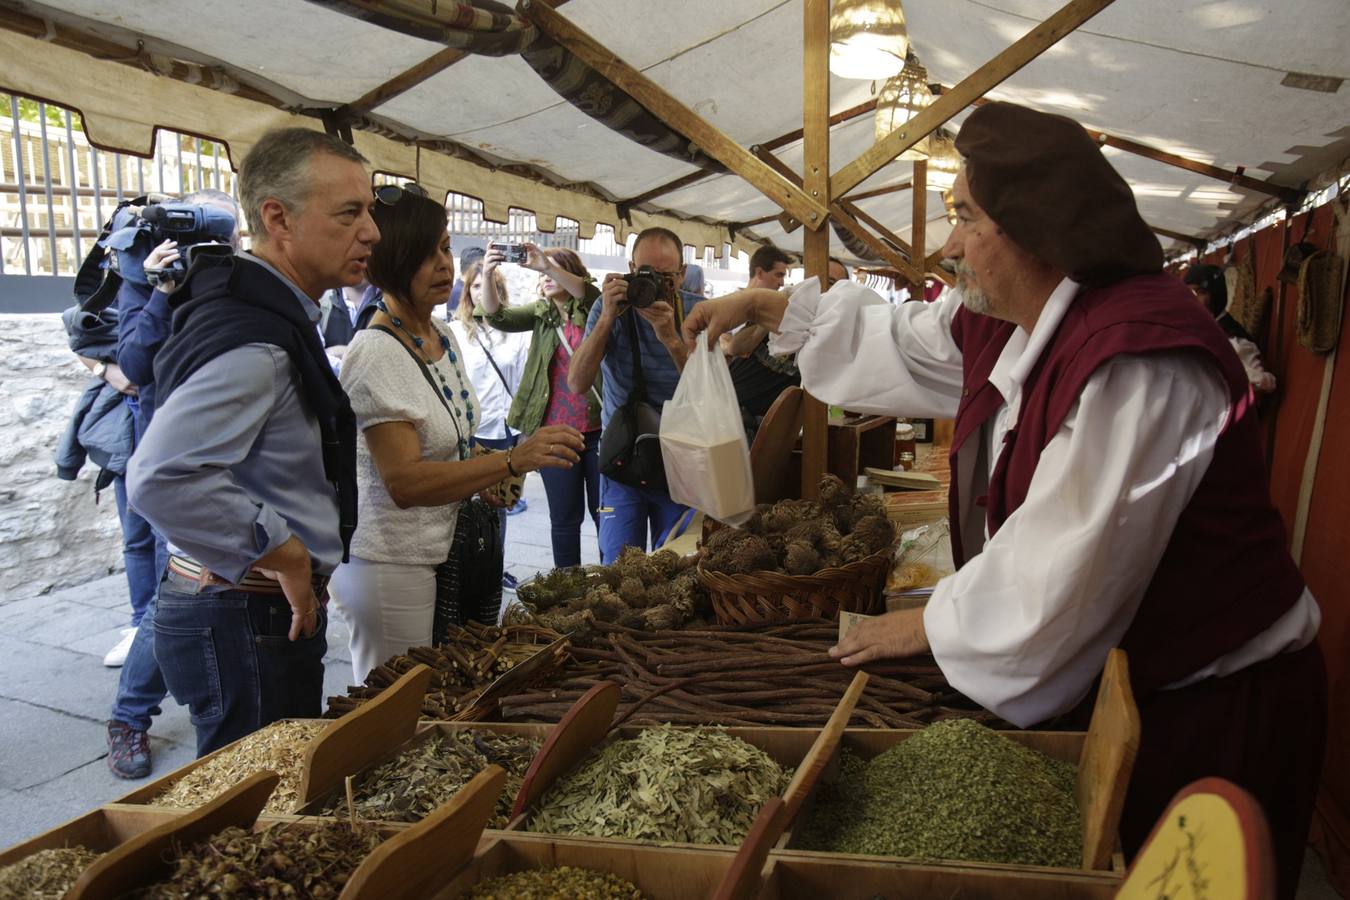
(1044, 181)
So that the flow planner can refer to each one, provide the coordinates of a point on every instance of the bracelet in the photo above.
(510, 468)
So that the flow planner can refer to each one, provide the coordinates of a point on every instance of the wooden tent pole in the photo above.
(918, 235)
(816, 183)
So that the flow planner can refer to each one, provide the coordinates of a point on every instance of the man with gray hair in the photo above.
(249, 466)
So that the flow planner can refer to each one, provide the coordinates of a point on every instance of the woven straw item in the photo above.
(1320, 299)
(775, 596)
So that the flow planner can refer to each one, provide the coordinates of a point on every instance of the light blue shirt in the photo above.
(232, 463)
(616, 367)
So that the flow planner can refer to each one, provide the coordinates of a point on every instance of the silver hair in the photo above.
(278, 168)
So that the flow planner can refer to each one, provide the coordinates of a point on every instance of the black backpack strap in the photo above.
(95, 284)
(477, 336)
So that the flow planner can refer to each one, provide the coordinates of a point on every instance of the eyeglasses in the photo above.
(391, 194)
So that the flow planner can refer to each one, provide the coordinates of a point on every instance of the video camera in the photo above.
(645, 287)
(200, 229)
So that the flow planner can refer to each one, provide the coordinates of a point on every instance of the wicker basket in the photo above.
(774, 596)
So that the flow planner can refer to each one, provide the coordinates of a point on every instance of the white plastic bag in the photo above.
(703, 441)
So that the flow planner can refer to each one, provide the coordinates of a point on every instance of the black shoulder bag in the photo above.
(469, 582)
(630, 446)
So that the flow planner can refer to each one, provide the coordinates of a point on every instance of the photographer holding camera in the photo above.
(633, 341)
(144, 326)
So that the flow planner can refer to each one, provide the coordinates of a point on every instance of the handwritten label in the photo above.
(848, 619)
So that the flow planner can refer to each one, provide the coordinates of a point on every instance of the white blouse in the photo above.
(1012, 629)
(386, 384)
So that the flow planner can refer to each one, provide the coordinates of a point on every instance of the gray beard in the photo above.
(974, 299)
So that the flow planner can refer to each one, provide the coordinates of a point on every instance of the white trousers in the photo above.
(388, 607)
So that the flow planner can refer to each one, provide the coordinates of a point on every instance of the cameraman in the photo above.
(143, 328)
(627, 513)
(249, 465)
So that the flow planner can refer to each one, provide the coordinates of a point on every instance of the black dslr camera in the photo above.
(645, 287)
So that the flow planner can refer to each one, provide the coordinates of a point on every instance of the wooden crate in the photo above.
(790, 877)
(1104, 756)
(660, 873)
(102, 829)
(426, 731)
(787, 746)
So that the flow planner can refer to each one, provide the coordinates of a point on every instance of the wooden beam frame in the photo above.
(816, 181)
(1236, 178)
(810, 211)
(1197, 242)
(431, 66)
(694, 177)
(918, 235)
(985, 78)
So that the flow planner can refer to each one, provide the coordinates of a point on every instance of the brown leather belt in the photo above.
(253, 582)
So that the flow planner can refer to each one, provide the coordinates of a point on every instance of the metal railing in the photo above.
(57, 189)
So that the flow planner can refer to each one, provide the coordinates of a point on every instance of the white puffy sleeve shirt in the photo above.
(1014, 628)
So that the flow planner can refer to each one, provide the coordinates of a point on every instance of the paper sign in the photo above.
(847, 620)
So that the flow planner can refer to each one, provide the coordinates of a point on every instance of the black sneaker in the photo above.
(128, 751)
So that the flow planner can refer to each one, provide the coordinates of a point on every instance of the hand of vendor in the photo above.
(758, 306)
(888, 636)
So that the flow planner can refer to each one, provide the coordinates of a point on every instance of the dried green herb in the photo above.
(699, 786)
(565, 883)
(289, 860)
(956, 790)
(417, 781)
(279, 747)
(46, 874)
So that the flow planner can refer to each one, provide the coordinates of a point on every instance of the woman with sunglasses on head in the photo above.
(417, 412)
(558, 323)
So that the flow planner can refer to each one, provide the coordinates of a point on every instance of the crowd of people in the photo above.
(1108, 484)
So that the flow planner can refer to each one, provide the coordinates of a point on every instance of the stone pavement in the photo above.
(55, 691)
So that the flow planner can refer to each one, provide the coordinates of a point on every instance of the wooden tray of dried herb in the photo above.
(658, 873)
(1071, 814)
(412, 779)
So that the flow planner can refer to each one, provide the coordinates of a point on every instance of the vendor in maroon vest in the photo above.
(1108, 485)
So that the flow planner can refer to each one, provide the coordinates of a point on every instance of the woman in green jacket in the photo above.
(558, 320)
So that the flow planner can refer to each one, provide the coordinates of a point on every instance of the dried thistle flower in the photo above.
(46, 874)
(279, 747)
(876, 532)
(801, 558)
(833, 492)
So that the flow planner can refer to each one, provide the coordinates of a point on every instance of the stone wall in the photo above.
(52, 533)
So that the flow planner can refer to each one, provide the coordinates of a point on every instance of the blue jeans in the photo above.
(628, 514)
(138, 552)
(571, 492)
(225, 656)
(140, 686)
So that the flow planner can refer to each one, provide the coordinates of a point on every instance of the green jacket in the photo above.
(542, 317)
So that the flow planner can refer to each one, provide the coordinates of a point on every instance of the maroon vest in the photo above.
(1226, 574)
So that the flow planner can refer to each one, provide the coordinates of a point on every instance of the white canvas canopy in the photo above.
(1202, 80)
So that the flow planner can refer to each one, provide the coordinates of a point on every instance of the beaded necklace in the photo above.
(451, 403)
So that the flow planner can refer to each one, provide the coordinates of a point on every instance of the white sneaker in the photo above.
(118, 654)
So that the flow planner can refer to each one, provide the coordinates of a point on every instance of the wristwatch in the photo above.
(101, 371)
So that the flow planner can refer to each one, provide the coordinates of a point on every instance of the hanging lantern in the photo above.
(943, 161)
(901, 99)
(868, 39)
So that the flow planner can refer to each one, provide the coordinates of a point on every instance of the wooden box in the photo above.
(102, 829)
(425, 732)
(660, 873)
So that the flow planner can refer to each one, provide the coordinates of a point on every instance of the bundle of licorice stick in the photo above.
(762, 675)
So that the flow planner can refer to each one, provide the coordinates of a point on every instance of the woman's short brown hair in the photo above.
(568, 261)
(410, 230)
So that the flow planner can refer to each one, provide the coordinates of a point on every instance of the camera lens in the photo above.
(643, 291)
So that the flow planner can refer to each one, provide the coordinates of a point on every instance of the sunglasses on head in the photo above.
(391, 194)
